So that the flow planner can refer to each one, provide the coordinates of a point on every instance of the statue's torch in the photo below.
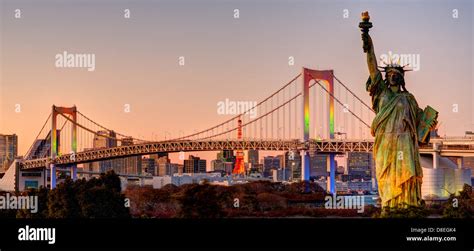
(364, 26)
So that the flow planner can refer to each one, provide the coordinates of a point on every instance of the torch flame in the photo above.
(365, 16)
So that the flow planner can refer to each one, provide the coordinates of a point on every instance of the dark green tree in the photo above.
(460, 206)
(200, 201)
(95, 198)
(42, 212)
(111, 181)
(62, 202)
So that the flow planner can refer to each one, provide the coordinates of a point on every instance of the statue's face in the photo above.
(394, 78)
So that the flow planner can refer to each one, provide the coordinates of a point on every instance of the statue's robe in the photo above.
(396, 153)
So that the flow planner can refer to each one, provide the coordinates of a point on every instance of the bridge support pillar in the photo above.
(435, 160)
(305, 164)
(435, 155)
(73, 172)
(332, 174)
(55, 139)
(327, 78)
(52, 167)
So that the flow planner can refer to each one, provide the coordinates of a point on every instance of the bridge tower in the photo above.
(55, 140)
(325, 77)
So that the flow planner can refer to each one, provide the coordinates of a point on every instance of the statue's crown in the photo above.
(394, 67)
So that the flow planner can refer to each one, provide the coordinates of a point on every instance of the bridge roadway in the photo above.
(445, 147)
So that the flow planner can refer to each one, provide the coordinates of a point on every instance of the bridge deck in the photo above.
(446, 148)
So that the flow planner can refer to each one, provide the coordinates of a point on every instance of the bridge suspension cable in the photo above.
(352, 93)
(243, 113)
(267, 118)
(105, 128)
(338, 101)
(255, 120)
(90, 130)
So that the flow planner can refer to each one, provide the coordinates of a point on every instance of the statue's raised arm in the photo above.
(368, 45)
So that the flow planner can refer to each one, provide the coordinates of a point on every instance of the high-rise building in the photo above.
(282, 160)
(217, 165)
(8, 150)
(102, 139)
(228, 158)
(293, 162)
(163, 164)
(127, 165)
(165, 167)
(130, 165)
(105, 139)
(194, 165)
(252, 157)
(282, 174)
(359, 165)
(156, 156)
(159, 158)
(228, 155)
(149, 166)
(319, 165)
(270, 163)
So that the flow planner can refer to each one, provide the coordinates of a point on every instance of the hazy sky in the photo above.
(238, 59)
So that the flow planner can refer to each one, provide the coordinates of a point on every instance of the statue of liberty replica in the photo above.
(399, 127)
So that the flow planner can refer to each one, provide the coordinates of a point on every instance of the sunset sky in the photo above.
(225, 58)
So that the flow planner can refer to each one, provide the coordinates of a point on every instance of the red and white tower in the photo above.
(239, 160)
